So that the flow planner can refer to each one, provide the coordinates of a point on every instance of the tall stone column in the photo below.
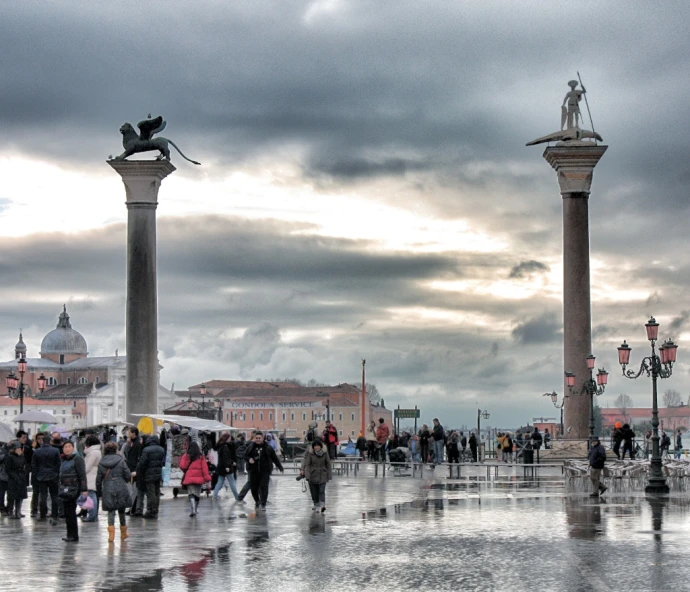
(142, 179)
(574, 164)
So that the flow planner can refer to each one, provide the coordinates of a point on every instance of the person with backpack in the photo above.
(112, 486)
(195, 468)
(317, 471)
(507, 448)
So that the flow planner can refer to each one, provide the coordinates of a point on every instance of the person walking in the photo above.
(617, 437)
(627, 434)
(150, 470)
(452, 449)
(317, 470)
(240, 451)
(113, 479)
(597, 459)
(37, 443)
(17, 489)
(45, 468)
(92, 456)
(131, 451)
(536, 439)
(679, 444)
(195, 468)
(72, 484)
(438, 436)
(371, 440)
(473, 446)
(260, 460)
(330, 438)
(424, 436)
(227, 466)
(382, 434)
(4, 451)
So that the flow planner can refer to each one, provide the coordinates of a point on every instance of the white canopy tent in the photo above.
(196, 423)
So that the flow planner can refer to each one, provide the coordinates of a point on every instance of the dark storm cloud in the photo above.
(527, 268)
(438, 98)
(679, 322)
(544, 329)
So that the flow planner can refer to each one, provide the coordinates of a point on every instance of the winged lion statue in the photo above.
(144, 141)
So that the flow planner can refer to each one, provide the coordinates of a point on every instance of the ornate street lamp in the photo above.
(16, 387)
(481, 415)
(589, 387)
(656, 366)
(554, 400)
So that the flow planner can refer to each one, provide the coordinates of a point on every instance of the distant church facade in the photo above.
(81, 390)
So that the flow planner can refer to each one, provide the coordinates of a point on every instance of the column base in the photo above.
(657, 487)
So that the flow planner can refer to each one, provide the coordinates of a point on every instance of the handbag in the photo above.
(85, 502)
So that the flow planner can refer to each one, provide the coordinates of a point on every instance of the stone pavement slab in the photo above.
(396, 533)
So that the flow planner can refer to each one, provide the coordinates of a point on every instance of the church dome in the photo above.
(64, 339)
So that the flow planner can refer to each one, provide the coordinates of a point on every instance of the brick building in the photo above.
(288, 407)
(670, 418)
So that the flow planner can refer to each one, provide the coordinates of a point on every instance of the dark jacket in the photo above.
(536, 439)
(424, 436)
(438, 432)
(361, 443)
(3, 455)
(227, 459)
(473, 441)
(628, 436)
(72, 477)
(16, 476)
(111, 482)
(264, 457)
(45, 464)
(132, 453)
(597, 456)
(152, 461)
(241, 449)
(317, 469)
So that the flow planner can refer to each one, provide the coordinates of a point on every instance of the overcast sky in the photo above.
(365, 189)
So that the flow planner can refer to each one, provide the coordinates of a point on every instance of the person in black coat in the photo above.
(72, 484)
(260, 460)
(45, 469)
(3, 478)
(473, 446)
(15, 465)
(226, 469)
(627, 435)
(131, 451)
(150, 470)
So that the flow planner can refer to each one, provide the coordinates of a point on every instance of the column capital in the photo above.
(142, 179)
(574, 165)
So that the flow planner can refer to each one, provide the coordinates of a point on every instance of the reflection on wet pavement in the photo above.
(378, 534)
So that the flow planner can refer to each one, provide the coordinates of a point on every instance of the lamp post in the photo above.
(485, 415)
(554, 400)
(656, 366)
(202, 390)
(219, 409)
(16, 388)
(589, 387)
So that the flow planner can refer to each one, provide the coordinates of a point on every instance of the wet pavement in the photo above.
(396, 533)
